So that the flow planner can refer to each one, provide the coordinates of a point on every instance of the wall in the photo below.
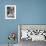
(27, 12)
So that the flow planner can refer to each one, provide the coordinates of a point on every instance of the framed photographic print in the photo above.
(10, 11)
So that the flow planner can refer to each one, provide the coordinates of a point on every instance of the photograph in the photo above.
(10, 11)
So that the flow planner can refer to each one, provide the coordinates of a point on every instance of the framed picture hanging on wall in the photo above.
(10, 11)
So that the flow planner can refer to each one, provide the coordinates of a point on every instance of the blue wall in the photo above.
(27, 12)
